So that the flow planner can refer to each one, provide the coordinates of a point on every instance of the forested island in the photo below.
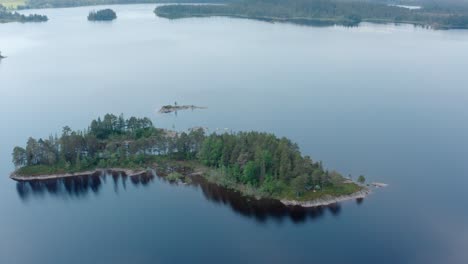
(323, 12)
(256, 164)
(102, 15)
(7, 16)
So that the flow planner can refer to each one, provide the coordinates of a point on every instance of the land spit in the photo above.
(328, 200)
(127, 172)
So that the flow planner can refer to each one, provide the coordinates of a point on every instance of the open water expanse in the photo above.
(386, 101)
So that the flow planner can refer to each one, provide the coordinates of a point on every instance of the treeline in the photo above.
(260, 161)
(264, 161)
(320, 11)
(112, 141)
(7, 16)
(30, 4)
(102, 15)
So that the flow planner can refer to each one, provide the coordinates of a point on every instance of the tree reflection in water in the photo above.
(260, 210)
(79, 186)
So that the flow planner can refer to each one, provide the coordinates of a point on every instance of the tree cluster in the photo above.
(102, 15)
(33, 4)
(260, 160)
(264, 161)
(323, 11)
(7, 16)
(111, 141)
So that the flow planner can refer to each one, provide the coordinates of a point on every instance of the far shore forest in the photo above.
(8, 16)
(436, 14)
(254, 163)
(324, 12)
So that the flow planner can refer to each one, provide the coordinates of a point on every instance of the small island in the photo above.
(256, 164)
(174, 108)
(1, 56)
(7, 16)
(102, 15)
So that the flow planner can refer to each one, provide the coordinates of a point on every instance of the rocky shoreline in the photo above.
(328, 200)
(127, 172)
(324, 201)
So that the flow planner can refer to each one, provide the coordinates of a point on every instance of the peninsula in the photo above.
(324, 12)
(256, 164)
(7, 16)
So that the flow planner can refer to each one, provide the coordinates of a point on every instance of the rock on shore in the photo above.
(328, 200)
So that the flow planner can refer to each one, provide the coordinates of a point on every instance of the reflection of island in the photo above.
(174, 108)
(260, 210)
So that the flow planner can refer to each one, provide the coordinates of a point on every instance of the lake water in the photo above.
(389, 102)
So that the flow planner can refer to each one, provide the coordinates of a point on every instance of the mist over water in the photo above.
(386, 101)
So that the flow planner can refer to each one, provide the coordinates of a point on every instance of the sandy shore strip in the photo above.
(128, 172)
(328, 200)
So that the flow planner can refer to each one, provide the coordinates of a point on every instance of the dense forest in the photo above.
(102, 15)
(325, 12)
(71, 3)
(7, 16)
(261, 162)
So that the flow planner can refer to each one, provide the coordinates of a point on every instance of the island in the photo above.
(256, 164)
(324, 12)
(7, 16)
(174, 108)
(102, 15)
(1, 56)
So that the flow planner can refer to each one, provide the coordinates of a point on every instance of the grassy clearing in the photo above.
(284, 190)
(336, 190)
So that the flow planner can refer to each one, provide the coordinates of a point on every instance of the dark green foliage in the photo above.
(102, 15)
(71, 3)
(7, 16)
(299, 184)
(361, 179)
(321, 12)
(111, 141)
(260, 162)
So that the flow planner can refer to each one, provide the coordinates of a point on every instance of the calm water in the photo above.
(390, 102)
